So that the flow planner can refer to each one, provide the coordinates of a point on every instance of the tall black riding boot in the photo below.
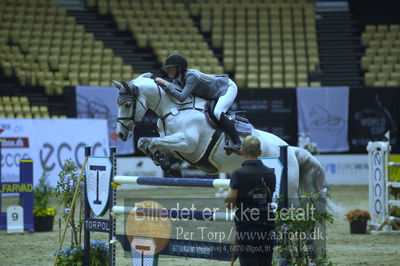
(229, 127)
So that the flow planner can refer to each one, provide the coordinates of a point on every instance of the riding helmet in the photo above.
(176, 60)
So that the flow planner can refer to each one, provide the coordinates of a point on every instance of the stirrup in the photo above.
(230, 149)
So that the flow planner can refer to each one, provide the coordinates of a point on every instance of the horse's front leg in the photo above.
(180, 142)
(143, 145)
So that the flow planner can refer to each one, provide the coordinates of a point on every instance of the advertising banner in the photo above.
(373, 112)
(323, 115)
(17, 141)
(101, 102)
(51, 141)
(273, 111)
(349, 169)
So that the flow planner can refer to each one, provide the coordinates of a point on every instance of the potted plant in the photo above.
(74, 255)
(64, 191)
(358, 221)
(295, 233)
(43, 215)
(312, 147)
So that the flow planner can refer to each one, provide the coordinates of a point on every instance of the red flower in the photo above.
(358, 215)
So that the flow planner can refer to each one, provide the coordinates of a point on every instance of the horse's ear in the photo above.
(128, 88)
(117, 84)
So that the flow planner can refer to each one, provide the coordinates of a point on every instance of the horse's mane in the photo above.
(144, 79)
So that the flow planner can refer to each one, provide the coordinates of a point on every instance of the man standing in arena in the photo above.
(250, 193)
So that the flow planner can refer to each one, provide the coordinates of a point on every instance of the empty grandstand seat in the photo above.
(381, 55)
(260, 33)
(167, 23)
(47, 45)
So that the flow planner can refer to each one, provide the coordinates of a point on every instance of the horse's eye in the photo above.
(128, 104)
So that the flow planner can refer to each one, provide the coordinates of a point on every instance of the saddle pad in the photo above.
(243, 129)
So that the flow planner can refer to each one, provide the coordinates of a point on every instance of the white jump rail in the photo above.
(170, 181)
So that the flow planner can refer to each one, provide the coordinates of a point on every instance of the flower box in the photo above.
(43, 223)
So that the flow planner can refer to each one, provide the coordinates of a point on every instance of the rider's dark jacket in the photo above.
(199, 84)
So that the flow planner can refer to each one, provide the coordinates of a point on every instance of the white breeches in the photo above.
(226, 100)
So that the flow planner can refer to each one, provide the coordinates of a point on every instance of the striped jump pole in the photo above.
(174, 214)
(169, 181)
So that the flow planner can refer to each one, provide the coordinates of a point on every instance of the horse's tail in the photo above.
(312, 179)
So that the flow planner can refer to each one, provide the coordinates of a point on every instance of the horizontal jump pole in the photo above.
(394, 219)
(393, 184)
(170, 181)
(394, 164)
(175, 214)
(394, 202)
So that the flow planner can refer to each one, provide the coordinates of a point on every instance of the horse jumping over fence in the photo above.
(186, 135)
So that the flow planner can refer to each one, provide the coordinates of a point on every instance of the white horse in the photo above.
(185, 134)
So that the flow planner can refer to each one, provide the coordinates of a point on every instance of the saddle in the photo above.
(242, 125)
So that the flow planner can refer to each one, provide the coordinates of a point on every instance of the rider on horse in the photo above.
(211, 87)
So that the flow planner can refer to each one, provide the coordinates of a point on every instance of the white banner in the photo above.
(345, 169)
(51, 141)
(101, 102)
(323, 115)
(17, 140)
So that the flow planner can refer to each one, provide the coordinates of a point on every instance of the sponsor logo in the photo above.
(16, 188)
(98, 177)
(12, 159)
(50, 155)
(21, 142)
(273, 106)
(322, 118)
(373, 123)
(345, 168)
(5, 127)
(378, 182)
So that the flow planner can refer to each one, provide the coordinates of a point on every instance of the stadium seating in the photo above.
(381, 61)
(163, 25)
(19, 107)
(267, 44)
(42, 45)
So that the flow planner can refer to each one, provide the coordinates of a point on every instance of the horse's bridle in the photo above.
(131, 94)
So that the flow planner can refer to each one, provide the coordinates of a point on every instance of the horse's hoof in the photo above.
(175, 170)
(143, 144)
